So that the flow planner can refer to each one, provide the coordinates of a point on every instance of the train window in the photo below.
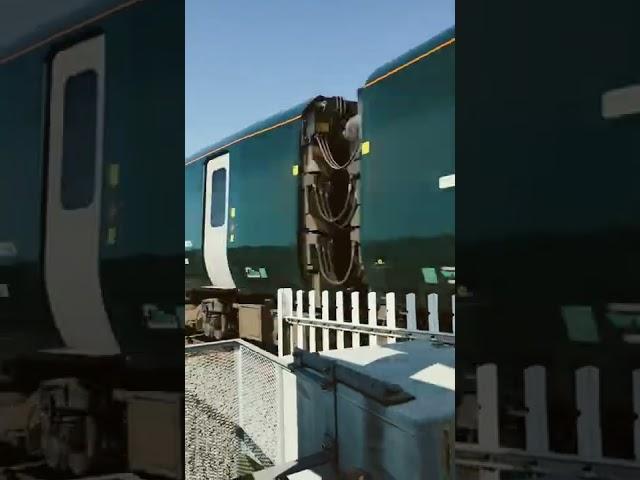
(79, 140)
(219, 197)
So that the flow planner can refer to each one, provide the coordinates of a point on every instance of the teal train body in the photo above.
(140, 223)
(406, 216)
(408, 127)
(264, 195)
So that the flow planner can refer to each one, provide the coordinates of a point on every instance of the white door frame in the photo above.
(72, 237)
(215, 238)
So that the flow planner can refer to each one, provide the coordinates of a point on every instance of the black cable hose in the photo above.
(349, 207)
(325, 149)
(326, 275)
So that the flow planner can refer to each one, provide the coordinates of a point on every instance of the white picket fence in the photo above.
(297, 327)
(490, 457)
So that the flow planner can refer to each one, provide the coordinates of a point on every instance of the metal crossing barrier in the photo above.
(300, 327)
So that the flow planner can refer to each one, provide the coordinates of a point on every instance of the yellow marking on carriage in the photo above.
(111, 236)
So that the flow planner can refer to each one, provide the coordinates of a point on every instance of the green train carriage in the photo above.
(90, 232)
(386, 221)
(407, 229)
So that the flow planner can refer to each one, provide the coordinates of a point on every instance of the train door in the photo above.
(215, 222)
(73, 197)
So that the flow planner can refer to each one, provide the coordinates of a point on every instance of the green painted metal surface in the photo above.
(24, 315)
(551, 200)
(144, 263)
(407, 220)
(264, 195)
(194, 270)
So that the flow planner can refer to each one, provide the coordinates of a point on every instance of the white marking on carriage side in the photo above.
(620, 102)
(447, 181)
(216, 237)
(71, 261)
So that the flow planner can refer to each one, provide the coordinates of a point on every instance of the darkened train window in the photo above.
(218, 197)
(79, 140)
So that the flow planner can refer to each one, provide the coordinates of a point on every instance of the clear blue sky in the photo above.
(248, 59)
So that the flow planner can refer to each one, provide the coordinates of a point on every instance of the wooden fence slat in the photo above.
(588, 405)
(312, 316)
(391, 314)
(325, 317)
(412, 320)
(355, 317)
(300, 341)
(453, 313)
(488, 426)
(285, 309)
(372, 316)
(535, 397)
(339, 319)
(306, 336)
(280, 322)
(432, 304)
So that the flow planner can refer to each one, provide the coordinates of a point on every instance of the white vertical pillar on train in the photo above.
(215, 245)
(72, 236)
